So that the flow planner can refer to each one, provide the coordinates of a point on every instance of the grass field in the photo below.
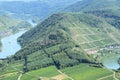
(85, 72)
(44, 72)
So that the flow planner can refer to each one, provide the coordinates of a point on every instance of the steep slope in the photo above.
(69, 39)
(53, 44)
(64, 39)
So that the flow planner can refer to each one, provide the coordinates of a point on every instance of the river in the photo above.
(110, 61)
(10, 45)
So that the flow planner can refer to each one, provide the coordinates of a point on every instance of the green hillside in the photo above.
(10, 24)
(52, 41)
(64, 39)
(89, 31)
(69, 45)
(108, 12)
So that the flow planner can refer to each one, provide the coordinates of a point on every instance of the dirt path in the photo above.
(105, 77)
(114, 38)
(93, 41)
(65, 75)
(114, 76)
(59, 77)
(34, 75)
(9, 74)
(111, 35)
(19, 78)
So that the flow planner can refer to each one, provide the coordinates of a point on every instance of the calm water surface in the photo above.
(10, 45)
(110, 61)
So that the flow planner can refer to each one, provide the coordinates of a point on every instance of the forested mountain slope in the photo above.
(67, 35)
(52, 41)
(73, 41)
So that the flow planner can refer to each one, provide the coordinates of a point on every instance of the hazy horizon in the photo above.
(17, 0)
(23, 0)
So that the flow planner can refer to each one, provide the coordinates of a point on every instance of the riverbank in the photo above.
(111, 61)
(10, 45)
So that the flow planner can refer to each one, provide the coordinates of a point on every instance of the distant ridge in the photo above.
(90, 5)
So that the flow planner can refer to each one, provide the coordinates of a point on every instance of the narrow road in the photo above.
(114, 76)
(114, 38)
(65, 75)
(105, 77)
(19, 78)
(34, 75)
(8, 74)
(111, 35)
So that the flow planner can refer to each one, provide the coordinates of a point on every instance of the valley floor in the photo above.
(79, 72)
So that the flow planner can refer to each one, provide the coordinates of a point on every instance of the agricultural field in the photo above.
(10, 71)
(85, 72)
(66, 46)
(41, 73)
(11, 68)
(78, 72)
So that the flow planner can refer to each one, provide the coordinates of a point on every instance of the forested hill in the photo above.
(74, 40)
(64, 39)
(51, 41)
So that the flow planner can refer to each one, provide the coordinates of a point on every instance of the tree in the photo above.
(119, 61)
(25, 64)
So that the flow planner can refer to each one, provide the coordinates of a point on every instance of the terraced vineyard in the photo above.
(93, 39)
